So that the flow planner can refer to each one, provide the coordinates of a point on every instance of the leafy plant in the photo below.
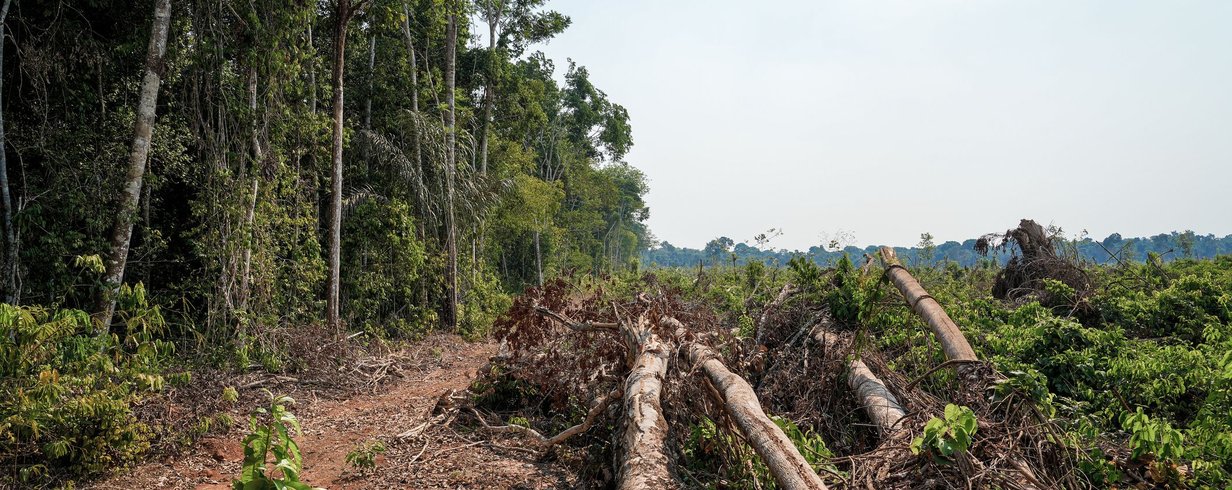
(270, 432)
(363, 456)
(1152, 437)
(945, 437)
(68, 392)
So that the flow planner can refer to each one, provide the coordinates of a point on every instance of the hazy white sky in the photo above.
(886, 119)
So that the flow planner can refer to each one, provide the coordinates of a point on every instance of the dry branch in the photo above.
(952, 340)
(788, 466)
(578, 326)
(787, 291)
(591, 417)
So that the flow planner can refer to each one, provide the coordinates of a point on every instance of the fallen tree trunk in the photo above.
(952, 340)
(788, 466)
(643, 461)
(879, 403)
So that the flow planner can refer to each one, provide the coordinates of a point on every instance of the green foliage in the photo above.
(383, 261)
(852, 297)
(806, 274)
(1152, 437)
(809, 443)
(945, 437)
(270, 433)
(69, 393)
(363, 456)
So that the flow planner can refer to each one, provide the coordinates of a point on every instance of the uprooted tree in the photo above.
(1036, 261)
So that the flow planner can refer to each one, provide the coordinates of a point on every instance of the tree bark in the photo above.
(643, 462)
(952, 340)
(489, 94)
(879, 403)
(9, 269)
(130, 196)
(451, 48)
(371, 77)
(538, 258)
(335, 219)
(788, 466)
(250, 213)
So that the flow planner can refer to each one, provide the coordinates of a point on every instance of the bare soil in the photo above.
(403, 397)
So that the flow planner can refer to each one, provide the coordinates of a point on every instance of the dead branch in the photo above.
(591, 416)
(787, 291)
(578, 326)
(507, 428)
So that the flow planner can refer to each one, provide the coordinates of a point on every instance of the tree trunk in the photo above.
(882, 407)
(312, 72)
(371, 76)
(788, 466)
(489, 94)
(9, 269)
(643, 461)
(952, 340)
(538, 258)
(451, 239)
(422, 189)
(258, 156)
(335, 218)
(144, 128)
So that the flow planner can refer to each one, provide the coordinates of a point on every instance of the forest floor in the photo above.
(411, 383)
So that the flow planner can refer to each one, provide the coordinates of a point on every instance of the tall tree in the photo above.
(144, 128)
(343, 13)
(512, 26)
(258, 156)
(451, 54)
(9, 268)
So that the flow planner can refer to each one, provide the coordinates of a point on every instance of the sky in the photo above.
(877, 120)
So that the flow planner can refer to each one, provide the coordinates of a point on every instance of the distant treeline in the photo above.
(1169, 246)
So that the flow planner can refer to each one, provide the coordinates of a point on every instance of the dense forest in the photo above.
(1112, 249)
(215, 178)
(370, 162)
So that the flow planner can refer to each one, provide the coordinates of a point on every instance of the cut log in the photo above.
(643, 461)
(952, 340)
(879, 403)
(786, 464)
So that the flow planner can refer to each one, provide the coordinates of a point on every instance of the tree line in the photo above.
(1110, 250)
(263, 164)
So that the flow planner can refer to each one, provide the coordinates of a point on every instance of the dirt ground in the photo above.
(438, 456)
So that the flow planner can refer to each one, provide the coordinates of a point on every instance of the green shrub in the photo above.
(66, 411)
(363, 456)
(945, 437)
